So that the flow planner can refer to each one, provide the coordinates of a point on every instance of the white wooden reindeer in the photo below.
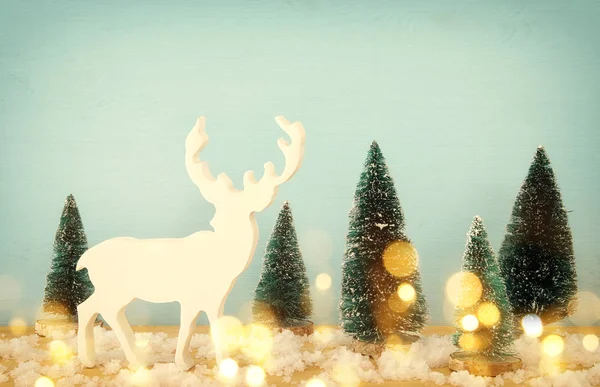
(199, 270)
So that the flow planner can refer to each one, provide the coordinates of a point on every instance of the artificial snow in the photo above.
(326, 353)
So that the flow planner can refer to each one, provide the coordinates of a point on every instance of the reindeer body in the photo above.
(197, 271)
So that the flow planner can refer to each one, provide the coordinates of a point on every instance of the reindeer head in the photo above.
(256, 195)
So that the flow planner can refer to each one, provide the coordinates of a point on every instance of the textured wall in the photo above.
(96, 99)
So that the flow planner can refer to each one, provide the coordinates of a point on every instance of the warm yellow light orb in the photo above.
(17, 326)
(323, 281)
(255, 376)
(44, 382)
(406, 292)
(469, 342)
(400, 258)
(488, 314)
(532, 325)
(464, 289)
(315, 382)
(59, 351)
(469, 323)
(553, 345)
(228, 368)
(591, 342)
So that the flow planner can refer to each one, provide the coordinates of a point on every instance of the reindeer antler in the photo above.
(293, 152)
(212, 188)
(198, 170)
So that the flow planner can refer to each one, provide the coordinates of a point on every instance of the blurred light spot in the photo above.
(17, 326)
(464, 289)
(230, 331)
(532, 325)
(406, 292)
(255, 376)
(345, 374)
(141, 343)
(553, 345)
(258, 342)
(323, 335)
(228, 368)
(315, 382)
(590, 342)
(488, 314)
(588, 309)
(400, 258)
(469, 342)
(396, 304)
(10, 292)
(44, 382)
(59, 351)
(469, 323)
(323, 281)
(140, 377)
(317, 245)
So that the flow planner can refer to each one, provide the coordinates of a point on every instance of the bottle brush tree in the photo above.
(282, 296)
(381, 285)
(483, 316)
(536, 257)
(66, 287)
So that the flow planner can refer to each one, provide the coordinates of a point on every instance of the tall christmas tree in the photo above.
(282, 297)
(381, 285)
(484, 320)
(66, 287)
(536, 257)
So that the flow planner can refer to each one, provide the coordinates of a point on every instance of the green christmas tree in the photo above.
(536, 257)
(282, 296)
(483, 316)
(381, 285)
(66, 287)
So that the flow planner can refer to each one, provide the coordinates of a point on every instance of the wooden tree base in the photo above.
(483, 366)
(45, 327)
(302, 328)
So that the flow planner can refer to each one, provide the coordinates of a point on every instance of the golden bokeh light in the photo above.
(255, 376)
(141, 377)
(323, 282)
(44, 381)
(400, 259)
(488, 314)
(228, 368)
(231, 332)
(141, 342)
(588, 309)
(345, 375)
(406, 292)
(469, 342)
(315, 382)
(590, 342)
(396, 304)
(17, 326)
(258, 342)
(464, 289)
(532, 325)
(59, 351)
(553, 345)
(469, 323)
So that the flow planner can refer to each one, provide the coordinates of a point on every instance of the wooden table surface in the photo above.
(298, 376)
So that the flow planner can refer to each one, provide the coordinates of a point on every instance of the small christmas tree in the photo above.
(484, 320)
(66, 287)
(536, 257)
(381, 285)
(282, 297)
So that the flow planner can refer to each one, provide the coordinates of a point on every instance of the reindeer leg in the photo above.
(183, 359)
(86, 315)
(119, 324)
(213, 319)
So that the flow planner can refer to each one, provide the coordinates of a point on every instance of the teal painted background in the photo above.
(96, 99)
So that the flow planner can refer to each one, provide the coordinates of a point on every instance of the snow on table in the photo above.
(285, 358)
